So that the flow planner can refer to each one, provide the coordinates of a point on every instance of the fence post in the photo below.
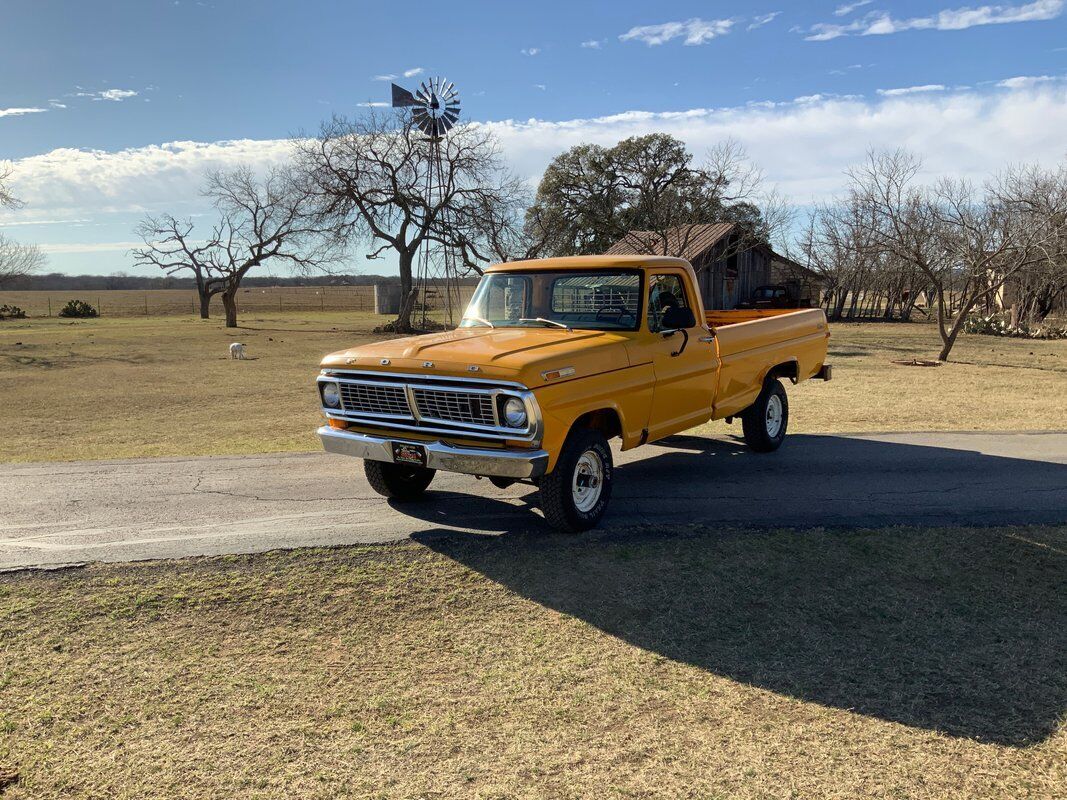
(146, 304)
(49, 299)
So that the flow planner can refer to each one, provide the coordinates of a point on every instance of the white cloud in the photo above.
(18, 112)
(56, 104)
(114, 95)
(593, 44)
(13, 224)
(760, 21)
(411, 73)
(375, 104)
(79, 183)
(89, 247)
(804, 147)
(880, 23)
(540, 86)
(530, 51)
(696, 31)
(1025, 81)
(848, 8)
(389, 76)
(929, 87)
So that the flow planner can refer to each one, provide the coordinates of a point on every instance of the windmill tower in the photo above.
(435, 109)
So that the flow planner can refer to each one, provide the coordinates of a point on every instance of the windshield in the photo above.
(604, 300)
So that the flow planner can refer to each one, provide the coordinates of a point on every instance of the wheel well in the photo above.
(786, 370)
(605, 420)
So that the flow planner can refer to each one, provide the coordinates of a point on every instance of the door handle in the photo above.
(710, 338)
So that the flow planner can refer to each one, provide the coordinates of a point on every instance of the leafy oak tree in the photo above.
(592, 196)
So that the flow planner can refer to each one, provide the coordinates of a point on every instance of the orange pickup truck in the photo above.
(553, 358)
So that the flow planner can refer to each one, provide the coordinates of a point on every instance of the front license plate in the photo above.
(413, 454)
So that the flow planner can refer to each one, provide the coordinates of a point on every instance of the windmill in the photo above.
(435, 109)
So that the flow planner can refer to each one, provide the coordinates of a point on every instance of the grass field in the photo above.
(900, 663)
(109, 388)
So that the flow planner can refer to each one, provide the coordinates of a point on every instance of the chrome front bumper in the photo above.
(469, 460)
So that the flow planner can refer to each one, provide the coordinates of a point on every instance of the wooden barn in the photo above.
(727, 270)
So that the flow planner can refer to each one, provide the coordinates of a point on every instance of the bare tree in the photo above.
(261, 221)
(7, 199)
(492, 225)
(18, 260)
(966, 242)
(170, 244)
(371, 178)
(1038, 288)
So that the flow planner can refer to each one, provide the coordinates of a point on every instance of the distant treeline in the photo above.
(58, 282)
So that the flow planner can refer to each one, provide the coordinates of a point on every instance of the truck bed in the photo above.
(749, 342)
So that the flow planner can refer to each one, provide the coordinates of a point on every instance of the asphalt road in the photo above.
(52, 514)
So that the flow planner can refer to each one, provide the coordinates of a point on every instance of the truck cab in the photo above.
(552, 359)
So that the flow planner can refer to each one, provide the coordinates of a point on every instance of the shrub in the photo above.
(11, 312)
(997, 325)
(79, 309)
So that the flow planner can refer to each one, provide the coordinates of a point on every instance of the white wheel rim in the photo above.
(587, 484)
(774, 415)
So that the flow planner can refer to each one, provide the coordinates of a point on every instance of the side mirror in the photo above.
(676, 320)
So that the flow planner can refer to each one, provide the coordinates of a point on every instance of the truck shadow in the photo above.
(959, 631)
(813, 480)
(949, 629)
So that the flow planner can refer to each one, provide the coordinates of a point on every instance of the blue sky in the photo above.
(111, 109)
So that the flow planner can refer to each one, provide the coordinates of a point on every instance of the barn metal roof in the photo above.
(687, 241)
(622, 261)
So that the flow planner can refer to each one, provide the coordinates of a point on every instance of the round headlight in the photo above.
(331, 395)
(515, 413)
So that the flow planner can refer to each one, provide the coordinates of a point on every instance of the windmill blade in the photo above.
(402, 98)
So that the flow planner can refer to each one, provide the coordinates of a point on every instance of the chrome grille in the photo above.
(455, 406)
(369, 398)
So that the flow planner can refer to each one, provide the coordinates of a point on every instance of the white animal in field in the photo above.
(237, 350)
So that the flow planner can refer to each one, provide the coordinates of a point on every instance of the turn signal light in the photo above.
(555, 374)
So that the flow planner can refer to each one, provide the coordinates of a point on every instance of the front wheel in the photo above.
(398, 481)
(575, 494)
(764, 422)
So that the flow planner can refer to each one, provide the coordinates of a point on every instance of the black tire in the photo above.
(562, 509)
(764, 423)
(398, 481)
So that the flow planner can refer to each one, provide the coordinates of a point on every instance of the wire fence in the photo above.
(184, 302)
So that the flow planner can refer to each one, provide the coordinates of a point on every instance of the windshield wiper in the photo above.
(481, 320)
(547, 322)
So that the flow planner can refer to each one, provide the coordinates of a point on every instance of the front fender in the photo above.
(627, 392)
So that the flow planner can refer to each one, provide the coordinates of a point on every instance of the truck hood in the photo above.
(512, 354)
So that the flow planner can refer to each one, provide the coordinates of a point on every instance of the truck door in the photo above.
(686, 372)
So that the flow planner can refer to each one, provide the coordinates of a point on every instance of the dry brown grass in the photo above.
(111, 388)
(898, 663)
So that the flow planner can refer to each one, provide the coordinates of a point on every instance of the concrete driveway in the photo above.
(53, 514)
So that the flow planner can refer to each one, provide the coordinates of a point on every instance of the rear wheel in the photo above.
(764, 422)
(398, 481)
(575, 494)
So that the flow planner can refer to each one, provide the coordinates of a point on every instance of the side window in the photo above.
(664, 291)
